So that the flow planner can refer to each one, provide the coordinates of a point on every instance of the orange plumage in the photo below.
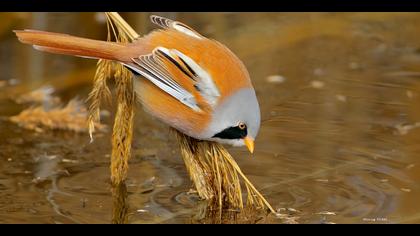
(188, 77)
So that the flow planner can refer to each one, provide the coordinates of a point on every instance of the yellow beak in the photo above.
(249, 142)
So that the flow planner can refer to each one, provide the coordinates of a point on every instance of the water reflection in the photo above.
(120, 205)
(339, 96)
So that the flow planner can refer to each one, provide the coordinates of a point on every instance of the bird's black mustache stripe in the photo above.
(232, 133)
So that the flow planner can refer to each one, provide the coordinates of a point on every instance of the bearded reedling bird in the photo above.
(194, 84)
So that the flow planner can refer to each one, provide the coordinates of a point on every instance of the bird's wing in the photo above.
(179, 76)
(176, 25)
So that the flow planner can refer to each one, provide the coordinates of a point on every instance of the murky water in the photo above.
(340, 100)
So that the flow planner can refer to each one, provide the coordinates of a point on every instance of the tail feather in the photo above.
(72, 45)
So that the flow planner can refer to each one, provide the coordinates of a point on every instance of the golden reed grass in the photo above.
(122, 133)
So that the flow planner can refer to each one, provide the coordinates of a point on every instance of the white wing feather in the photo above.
(153, 69)
(205, 83)
(168, 23)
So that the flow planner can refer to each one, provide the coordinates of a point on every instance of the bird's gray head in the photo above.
(236, 120)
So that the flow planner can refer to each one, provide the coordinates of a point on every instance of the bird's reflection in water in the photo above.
(120, 204)
(208, 213)
(205, 211)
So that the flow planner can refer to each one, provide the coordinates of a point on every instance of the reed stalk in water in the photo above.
(122, 133)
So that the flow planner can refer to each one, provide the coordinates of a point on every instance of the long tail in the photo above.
(71, 45)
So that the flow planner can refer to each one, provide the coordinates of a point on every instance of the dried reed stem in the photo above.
(123, 124)
(71, 117)
(123, 25)
(100, 90)
(122, 134)
(217, 176)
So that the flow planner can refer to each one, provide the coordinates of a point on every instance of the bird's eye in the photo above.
(241, 125)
